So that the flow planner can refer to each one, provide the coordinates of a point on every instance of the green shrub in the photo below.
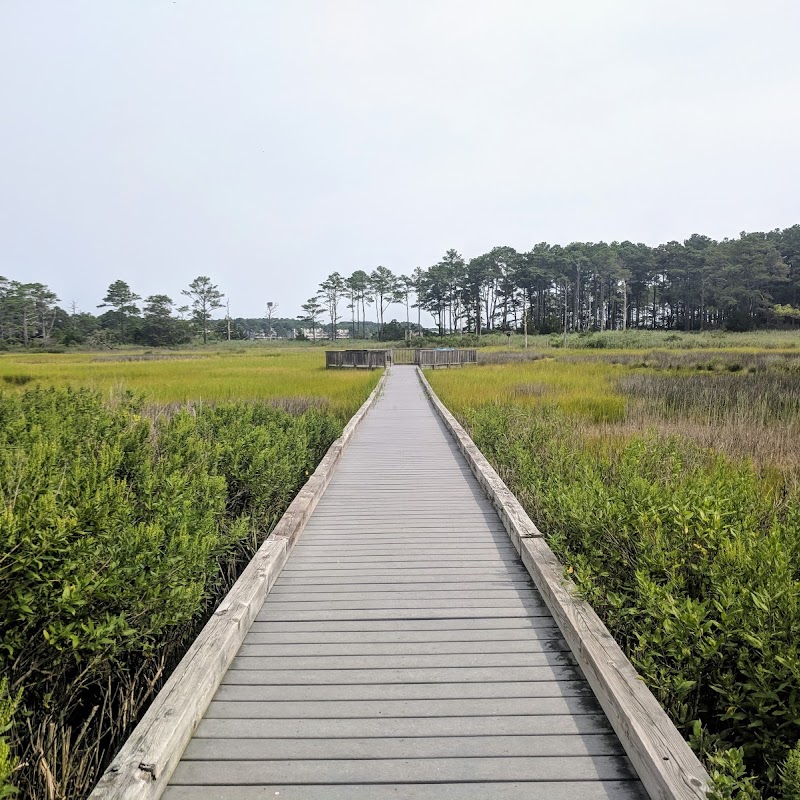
(8, 763)
(790, 775)
(117, 537)
(691, 561)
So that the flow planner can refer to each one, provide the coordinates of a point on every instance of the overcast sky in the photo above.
(267, 143)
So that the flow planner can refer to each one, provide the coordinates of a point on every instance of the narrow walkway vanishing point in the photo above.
(404, 651)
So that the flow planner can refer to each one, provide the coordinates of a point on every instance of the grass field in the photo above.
(226, 374)
(665, 472)
(742, 401)
(668, 481)
(134, 487)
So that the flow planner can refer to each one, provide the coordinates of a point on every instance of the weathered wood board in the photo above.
(404, 651)
(665, 763)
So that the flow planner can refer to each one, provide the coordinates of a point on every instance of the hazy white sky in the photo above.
(266, 143)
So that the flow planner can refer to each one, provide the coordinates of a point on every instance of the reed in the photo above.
(132, 493)
(225, 375)
(669, 483)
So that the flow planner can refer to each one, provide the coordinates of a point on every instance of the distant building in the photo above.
(323, 332)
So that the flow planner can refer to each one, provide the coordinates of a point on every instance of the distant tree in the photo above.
(393, 331)
(271, 309)
(312, 309)
(383, 283)
(78, 327)
(6, 291)
(333, 288)
(229, 328)
(787, 312)
(358, 286)
(405, 285)
(159, 327)
(418, 283)
(122, 300)
(44, 303)
(27, 311)
(206, 298)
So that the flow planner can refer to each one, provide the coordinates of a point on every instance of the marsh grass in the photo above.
(585, 390)
(151, 357)
(132, 493)
(759, 399)
(743, 403)
(677, 340)
(509, 356)
(669, 482)
(224, 375)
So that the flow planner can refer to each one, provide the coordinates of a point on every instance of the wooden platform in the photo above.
(403, 651)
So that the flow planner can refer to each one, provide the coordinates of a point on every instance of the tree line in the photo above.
(752, 281)
(700, 283)
(29, 313)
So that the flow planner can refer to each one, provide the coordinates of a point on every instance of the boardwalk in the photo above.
(404, 652)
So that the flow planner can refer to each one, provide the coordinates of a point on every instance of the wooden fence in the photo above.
(446, 358)
(404, 355)
(359, 359)
(373, 359)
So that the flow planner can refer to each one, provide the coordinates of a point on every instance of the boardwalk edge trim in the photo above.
(144, 764)
(665, 763)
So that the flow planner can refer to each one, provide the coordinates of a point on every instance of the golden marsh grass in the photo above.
(265, 374)
(738, 401)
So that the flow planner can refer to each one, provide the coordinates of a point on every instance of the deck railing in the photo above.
(404, 355)
(446, 358)
(360, 359)
(373, 359)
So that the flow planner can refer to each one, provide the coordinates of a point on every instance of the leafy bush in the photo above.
(8, 707)
(689, 558)
(117, 537)
(790, 775)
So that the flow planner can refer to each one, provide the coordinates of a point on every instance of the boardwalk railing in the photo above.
(142, 768)
(663, 760)
(404, 355)
(363, 359)
(373, 359)
(446, 358)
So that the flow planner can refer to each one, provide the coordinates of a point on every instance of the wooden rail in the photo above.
(404, 355)
(446, 358)
(404, 651)
(356, 359)
(142, 768)
(664, 761)
(374, 359)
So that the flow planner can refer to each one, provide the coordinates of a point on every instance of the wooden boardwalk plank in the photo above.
(427, 661)
(390, 748)
(462, 674)
(405, 691)
(367, 709)
(405, 727)
(546, 630)
(443, 625)
(511, 790)
(404, 651)
(256, 648)
(544, 768)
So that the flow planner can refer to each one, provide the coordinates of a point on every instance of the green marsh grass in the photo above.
(224, 375)
(669, 483)
(134, 487)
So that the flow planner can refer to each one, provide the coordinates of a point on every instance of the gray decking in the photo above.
(403, 651)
